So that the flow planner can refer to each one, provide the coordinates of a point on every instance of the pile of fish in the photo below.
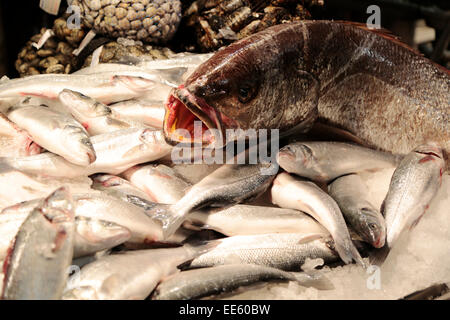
(92, 185)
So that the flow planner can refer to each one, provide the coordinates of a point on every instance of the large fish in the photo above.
(413, 186)
(364, 81)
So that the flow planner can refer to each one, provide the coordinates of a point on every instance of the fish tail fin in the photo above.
(313, 279)
(200, 247)
(171, 224)
(169, 218)
(348, 252)
(378, 256)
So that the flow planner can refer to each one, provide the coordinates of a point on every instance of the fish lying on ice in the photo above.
(291, 193)
(198, 283)
(351, 195)
(286, 251)
(37, 264)
(413, 186)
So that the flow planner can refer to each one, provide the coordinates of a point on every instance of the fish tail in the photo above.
(169, 218)
(200, 247)
(315, 280)
(377, 257)
(348, 252)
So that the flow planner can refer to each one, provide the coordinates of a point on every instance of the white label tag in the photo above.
(50, 6)
(47, 35)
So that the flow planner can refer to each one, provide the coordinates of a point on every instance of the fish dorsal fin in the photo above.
(384, 33)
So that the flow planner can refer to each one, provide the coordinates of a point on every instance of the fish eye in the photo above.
(246, 92)
(372, 226)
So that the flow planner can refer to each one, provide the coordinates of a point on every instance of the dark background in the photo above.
(19, 20)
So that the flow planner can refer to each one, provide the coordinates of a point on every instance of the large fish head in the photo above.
(255, 83)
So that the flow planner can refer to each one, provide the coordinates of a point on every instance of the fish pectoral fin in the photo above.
(310, 237)
(196, 226)
(313, 279)
(110, 284)
(132, 151)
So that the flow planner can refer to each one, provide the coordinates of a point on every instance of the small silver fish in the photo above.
(56, 132)
(94, 116)
(291, 193)
(91, 235)
(129, 275)
(106, 209)
(37, 265)
(230, 184)
(160, 183)
(116, 151)
(105, 87)
(258, 220)
(413, 186)
(286, 251)
(198, 283)
(325, 161)
(350, 193)
(150, 113)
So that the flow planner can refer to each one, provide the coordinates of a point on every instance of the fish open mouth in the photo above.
(190, 119)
